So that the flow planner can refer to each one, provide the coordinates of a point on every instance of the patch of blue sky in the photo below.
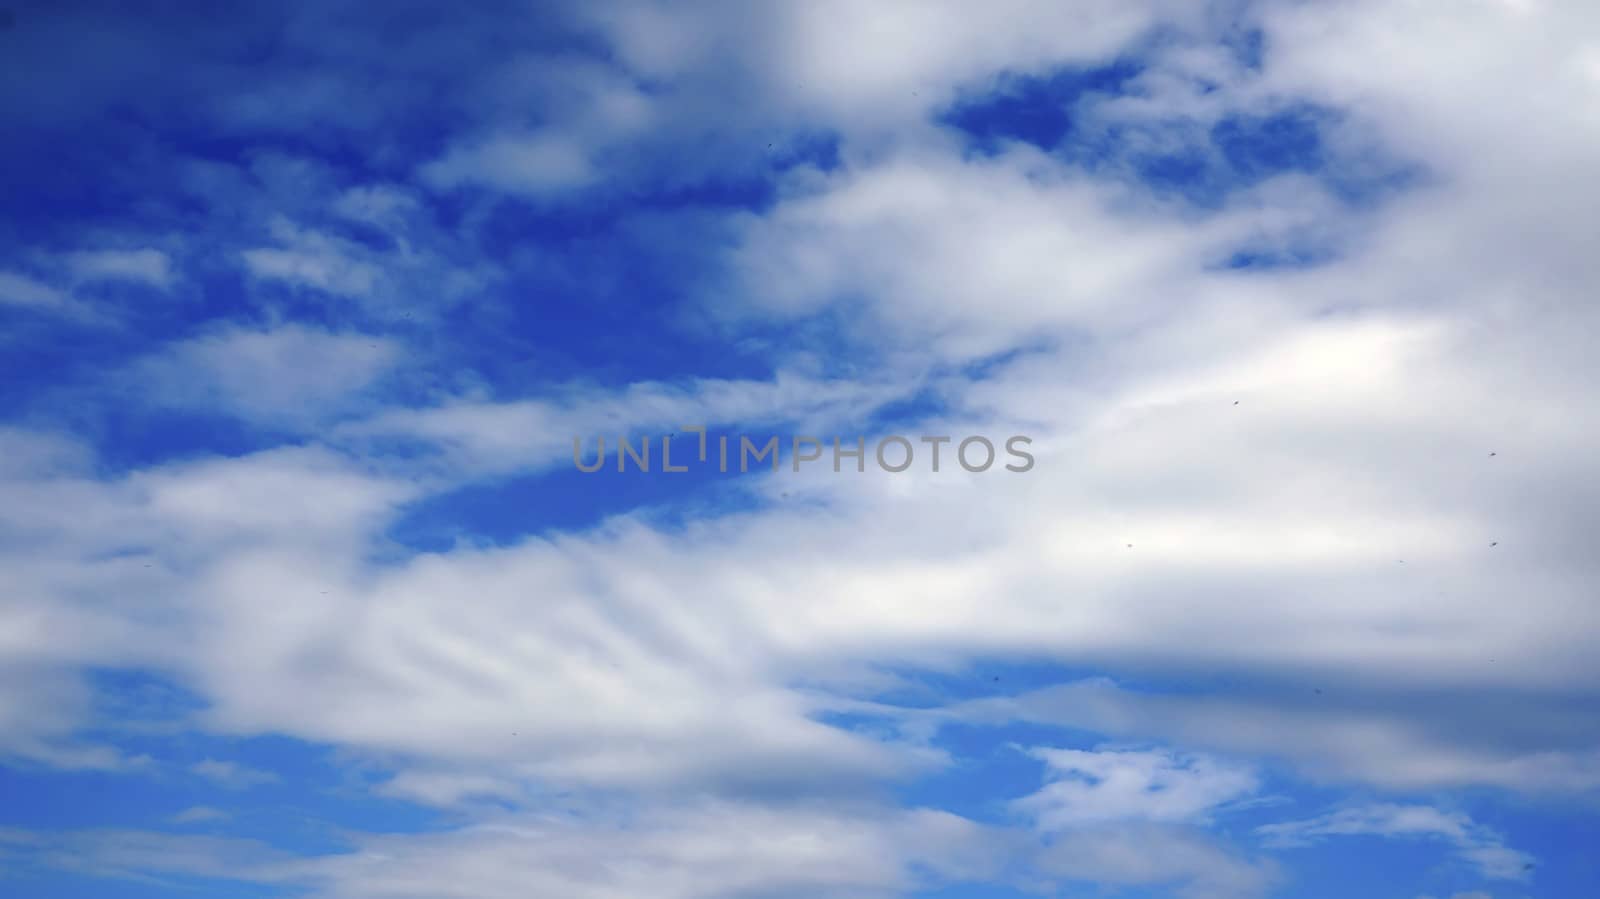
(989, 768)
(46, 883)
(1205, 167)
(1033, 109)
(1266, 258)
(1249, 46)
(128, 439)
(296, 794)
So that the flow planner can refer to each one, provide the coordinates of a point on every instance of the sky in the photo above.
(304, 306)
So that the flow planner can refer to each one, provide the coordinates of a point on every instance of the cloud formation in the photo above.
(1293, 300)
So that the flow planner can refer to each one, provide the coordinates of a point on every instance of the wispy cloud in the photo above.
(310, 259)
(1471, 842)
(232, 775)
(148, 266)
(198, 814)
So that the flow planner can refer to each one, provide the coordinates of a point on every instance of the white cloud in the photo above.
(409, 275)
(42, 708)
(312, 259)
(446, 789)
(703, 850)
(25, 453)
(383, 205)
(871, 70)
(1331, 731)
(25, 292)
(99, 571)
(968, 258)
(291, 374)
(1186, 863)
(1472, 843)
(590, 115)
(198, 814)
(1129, 817)
(1107, 785)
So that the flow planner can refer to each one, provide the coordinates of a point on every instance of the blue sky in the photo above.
(302, 306)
